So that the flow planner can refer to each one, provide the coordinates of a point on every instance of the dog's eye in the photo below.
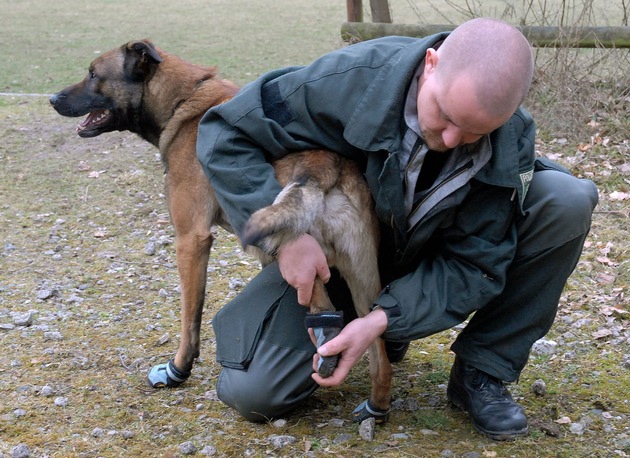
(92, 75)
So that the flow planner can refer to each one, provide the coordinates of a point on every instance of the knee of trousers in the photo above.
(559, 208)
(277, 380)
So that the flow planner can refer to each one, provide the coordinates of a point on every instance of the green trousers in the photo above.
(266, 353)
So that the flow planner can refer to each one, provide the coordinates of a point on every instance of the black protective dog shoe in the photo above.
(488, 402)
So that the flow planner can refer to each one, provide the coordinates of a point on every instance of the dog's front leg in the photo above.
(191, 206)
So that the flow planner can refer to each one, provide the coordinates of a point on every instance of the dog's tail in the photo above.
(292, 214)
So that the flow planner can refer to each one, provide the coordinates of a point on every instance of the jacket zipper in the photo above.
(450, 178)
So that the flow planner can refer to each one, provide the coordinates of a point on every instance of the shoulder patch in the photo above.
(274, 106)
(526, 179)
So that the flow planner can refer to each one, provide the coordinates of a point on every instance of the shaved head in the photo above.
(494, 56)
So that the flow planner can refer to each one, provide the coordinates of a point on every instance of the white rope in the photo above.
(17, 94)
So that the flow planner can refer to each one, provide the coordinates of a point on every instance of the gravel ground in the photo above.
(89, 301)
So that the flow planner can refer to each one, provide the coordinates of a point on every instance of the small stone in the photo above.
(149, 249)
(366, 429)
(74, 299)
(544, 347)
(208, 450)
(577, 428)
(6, 326)
(236, 283)
(126, 434)
(400, 436)
(21, 451)
(281, 441)
(19, 412)
(539, 387)
(336, 422)
(163, 340)
(97, 432)
(45, 293)
(279, 423)
(341, 438)
(53, 335)
(23, 319)
(471, 455)
(47, 391)
(187, 448)
(61, 401)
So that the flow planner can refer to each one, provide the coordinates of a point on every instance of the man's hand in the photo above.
(300, 261)
(351, 343)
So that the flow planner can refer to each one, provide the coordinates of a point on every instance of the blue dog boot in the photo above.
(326, 326)
(166, 376)
(366, 410)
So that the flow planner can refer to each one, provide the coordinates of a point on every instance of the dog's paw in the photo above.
(166, 376)
(366, 410)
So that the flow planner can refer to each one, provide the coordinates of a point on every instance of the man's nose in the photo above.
(452, 136)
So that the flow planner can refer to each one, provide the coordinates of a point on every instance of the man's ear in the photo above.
(430, 61)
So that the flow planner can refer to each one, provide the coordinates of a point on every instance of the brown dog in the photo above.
(142, 89)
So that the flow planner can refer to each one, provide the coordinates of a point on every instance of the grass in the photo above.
(83, 235)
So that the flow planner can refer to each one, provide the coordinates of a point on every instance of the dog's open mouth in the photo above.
(94, 123)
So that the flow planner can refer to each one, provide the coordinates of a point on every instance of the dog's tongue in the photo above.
(92, 118)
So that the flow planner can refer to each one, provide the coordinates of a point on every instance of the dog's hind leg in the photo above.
(353, 230)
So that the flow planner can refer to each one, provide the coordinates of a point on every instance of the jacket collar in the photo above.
(373, 130)
(509, 167)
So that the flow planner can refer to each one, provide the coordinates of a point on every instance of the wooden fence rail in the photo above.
(538, 36)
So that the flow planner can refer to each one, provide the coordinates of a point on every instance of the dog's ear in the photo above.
(141, 58)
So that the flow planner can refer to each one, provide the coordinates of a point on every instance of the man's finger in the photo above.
(304, 295)
(323, 272)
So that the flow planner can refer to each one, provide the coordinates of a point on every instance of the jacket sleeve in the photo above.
(236, 144)
(467, 259)
(242, 178)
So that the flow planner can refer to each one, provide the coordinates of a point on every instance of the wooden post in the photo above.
(380, 11)
(355, 10)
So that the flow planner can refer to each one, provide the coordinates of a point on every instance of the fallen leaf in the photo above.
(94, 174)
(616, 195)
(606, 278)
(611, 310)
(605, 260)
(563, 420)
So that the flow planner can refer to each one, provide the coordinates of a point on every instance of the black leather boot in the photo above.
(487, 401)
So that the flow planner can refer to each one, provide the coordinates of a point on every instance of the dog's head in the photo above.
(111, 94)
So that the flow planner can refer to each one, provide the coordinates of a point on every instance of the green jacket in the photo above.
(449, 263)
